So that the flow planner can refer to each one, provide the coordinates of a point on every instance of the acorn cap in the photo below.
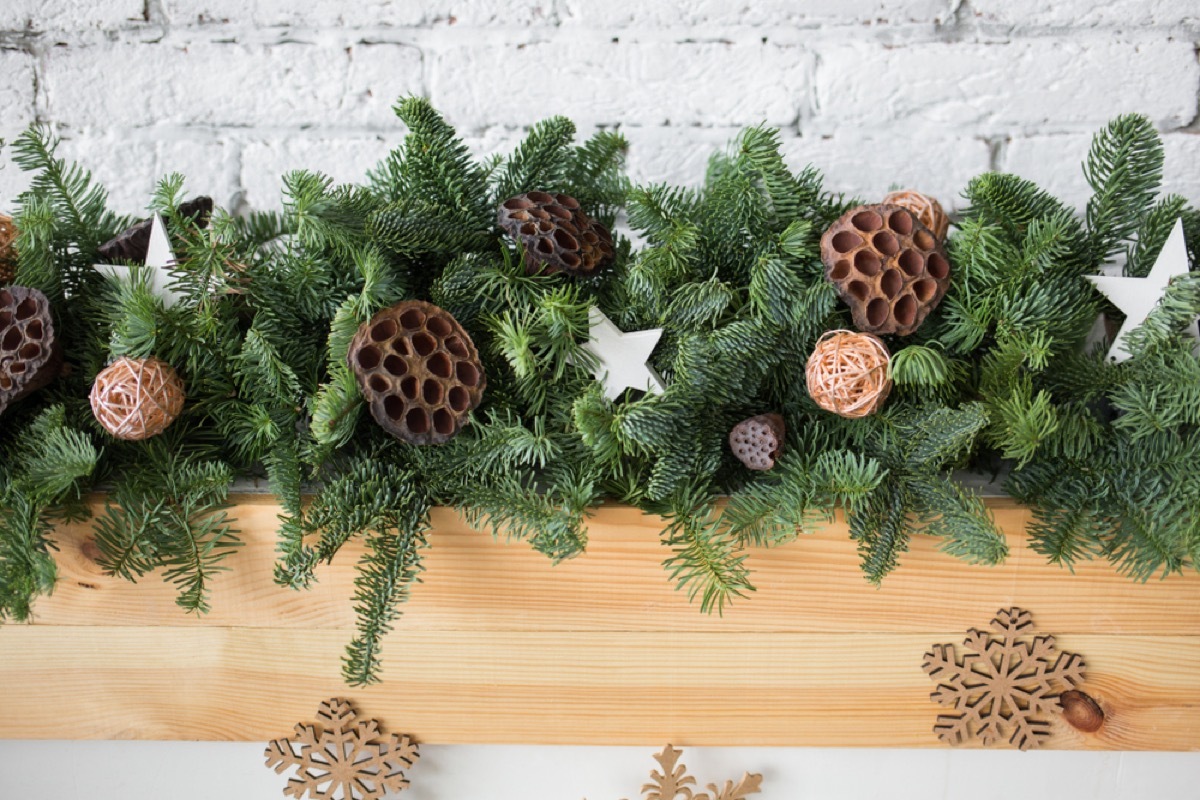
(557, 235)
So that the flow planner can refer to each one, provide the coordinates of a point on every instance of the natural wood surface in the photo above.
(499, 646)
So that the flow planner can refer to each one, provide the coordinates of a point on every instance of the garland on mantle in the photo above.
(1002, 376)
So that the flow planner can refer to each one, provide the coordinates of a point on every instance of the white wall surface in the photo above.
(876, 93)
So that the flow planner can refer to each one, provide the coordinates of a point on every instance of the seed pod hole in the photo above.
(840, 271)
(877, 311)
(456, 346)
(891, 282)
(439, 365)
(938, 267)
(911, 262)
(924, 289)
(846, 241)
(384, 330)
(443, 423)
(901, 222)
(867, 262)
(423, 344)
(439, 327)
(867, 221)
(859, 289)
(408, 387)
(27, 308)
(466, 373)
(905, 311)
(395, 365)
(886, 243)
(412, 319)
(417, 420)
(431, 393)
(393, 406)
(923, 240)
(368, 357)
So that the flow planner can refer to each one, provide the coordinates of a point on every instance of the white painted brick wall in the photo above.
(877, 93)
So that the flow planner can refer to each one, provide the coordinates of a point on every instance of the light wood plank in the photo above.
(474, 583)
(727, 688)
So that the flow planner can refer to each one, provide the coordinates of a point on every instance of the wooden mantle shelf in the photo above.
(499, 646)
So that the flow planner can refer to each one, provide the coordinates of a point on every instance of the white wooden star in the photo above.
(622, 356)
(1137, 297)
(160, 260)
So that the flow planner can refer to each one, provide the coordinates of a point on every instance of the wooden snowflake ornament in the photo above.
(1005, 687)
(674, 782)
(341, 757)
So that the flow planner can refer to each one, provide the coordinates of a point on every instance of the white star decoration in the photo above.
(1137, 297)
(622, 356)
(160, 260)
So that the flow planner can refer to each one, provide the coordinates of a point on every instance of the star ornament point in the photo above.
(160, 260)
(622, 356)
(1137, 297)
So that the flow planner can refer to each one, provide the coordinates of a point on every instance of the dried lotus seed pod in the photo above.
(927, 209)
(557, 235)
(418, 370)
(30, 354)
(8, 250)
(888, 267)
(758, 441)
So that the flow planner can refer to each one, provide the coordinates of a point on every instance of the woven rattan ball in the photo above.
(927, 209)
(849, 373)
(136, 398)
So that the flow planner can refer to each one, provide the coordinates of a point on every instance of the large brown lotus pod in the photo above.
(418, 370)
(849, 373)
(8, 250)
(887, 266)
(557, 235)
(30, 354)
(927, 209)
(758, 441)
(131, 244)
(136, 398)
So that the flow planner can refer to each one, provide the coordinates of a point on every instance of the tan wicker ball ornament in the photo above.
(557, 235)
(418, 370)
(887, 266)
(8, 250)
(925, 208)
(136, 398)
(849, 373)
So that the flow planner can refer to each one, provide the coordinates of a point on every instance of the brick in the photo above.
(16, 91)
(757, 13)
(60, 15)
(1087, 13)
(869, 164)
(264, 163)
(1056, 164)
(675, 155)
(130, 167)
(363, 13)
(1044, 83)
(219, 84)
(612, 82)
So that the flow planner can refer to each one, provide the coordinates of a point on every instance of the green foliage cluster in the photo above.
(1000, 378)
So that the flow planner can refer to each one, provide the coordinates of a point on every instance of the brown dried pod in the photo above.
(758, 441)
(136, 398)
(887, 266)
(557, 235)
(849, 373)
(418, 370)
(30, 354)
(927, 209)
(8, 250)
(131, 244)
(1081, 711)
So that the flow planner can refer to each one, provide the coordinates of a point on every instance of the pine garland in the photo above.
(997, 380)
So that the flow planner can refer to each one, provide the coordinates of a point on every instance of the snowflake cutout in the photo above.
(343, 753)
(1004, 686)
(674, 782)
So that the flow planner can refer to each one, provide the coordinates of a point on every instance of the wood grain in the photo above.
(499, 646)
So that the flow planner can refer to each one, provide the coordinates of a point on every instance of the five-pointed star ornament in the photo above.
(160, 260)
(622, 356)
(1137, 297)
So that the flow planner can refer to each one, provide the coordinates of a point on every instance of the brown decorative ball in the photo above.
(849, 373)
(418, 370)
(30, 354)
(136, 398)
(131, 244)
(758, 441)
(557, 235)
(925, 208)
(887, 266)
(8, 250)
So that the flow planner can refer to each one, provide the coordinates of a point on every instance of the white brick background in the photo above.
(877, 93)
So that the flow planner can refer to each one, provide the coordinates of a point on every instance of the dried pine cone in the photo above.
(887, 266)
(758, 441)
(557, 235)
(131, 244)
(136, 398)
(8, 250)
(30, 354)
(926, 208)
(419, 371)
